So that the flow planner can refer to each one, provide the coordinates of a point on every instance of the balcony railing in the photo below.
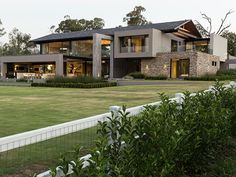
(136, 49)
(195, 48)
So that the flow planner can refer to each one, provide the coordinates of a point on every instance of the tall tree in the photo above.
(206, 31)
(18, 44)
(2, 30)
(135, 17)
(69, 25)
(231, 36)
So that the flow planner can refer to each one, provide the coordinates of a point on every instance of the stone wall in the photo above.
(205, 65)
(200, 63)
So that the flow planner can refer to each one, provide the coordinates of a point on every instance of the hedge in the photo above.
(75, 85)
(212, 78)
(137, 75)
(156, 77)
(81, 79)
(228, 72)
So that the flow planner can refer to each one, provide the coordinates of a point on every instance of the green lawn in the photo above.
(25, 108)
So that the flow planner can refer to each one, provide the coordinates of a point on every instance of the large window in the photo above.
(56, 47)
(134, 44)
(201, 46)
(82, 48)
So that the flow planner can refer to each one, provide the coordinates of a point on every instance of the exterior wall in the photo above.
(166, 42)
(219, 47)
(57, 58)
(200, 63)
(230, 63)
(158, 42)
(204, 64)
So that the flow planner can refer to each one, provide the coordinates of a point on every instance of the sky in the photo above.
(35, 17)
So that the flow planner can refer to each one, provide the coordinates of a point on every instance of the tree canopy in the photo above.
(18, 44)
(69, 25)
(135, 17)
(231, 36)
(2, 30)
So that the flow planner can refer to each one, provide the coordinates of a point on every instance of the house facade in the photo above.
(174, 49)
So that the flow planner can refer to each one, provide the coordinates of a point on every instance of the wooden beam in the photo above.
(187, 34)
(181, 35)
(183, 29)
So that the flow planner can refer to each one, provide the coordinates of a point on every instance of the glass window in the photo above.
(56, 47)
(45, 48)
(134, 44)
(184, 67)
(201, 46)
(59, 47)
(82, 48)
(174, 46)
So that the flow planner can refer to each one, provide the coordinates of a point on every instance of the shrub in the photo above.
(21, 80)
(211, 78)
(75, 85)
(137, 75)
(228, 72)
(82, 79)
(160, 77)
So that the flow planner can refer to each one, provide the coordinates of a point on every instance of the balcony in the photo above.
(134, 49)
(195, 48)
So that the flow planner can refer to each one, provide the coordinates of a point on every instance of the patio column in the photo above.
(97, 55)
(112, 61)
(3, 70)
(59, 66)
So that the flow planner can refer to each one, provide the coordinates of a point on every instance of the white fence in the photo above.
(39, 135)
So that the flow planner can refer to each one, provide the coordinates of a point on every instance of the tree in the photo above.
(19, 44)
(206, 31)
(231, 36)
(2, 32)
(135, 17)
(69, 25)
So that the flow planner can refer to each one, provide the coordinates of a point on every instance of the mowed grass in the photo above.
(26, 108)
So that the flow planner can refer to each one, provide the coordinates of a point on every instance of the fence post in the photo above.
(232, 84)
(115, 110)
(179, 98)
(211, 89)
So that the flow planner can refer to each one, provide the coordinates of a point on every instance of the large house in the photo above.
(174, 49)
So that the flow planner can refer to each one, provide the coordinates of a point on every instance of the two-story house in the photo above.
(174, 49)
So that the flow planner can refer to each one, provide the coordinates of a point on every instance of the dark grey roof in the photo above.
(165, 27)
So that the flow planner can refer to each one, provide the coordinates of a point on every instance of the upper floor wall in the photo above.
(144, 43)
(219, 46)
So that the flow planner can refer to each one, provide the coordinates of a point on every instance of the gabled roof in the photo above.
(164, 27)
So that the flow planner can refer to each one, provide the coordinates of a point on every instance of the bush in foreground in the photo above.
(172, 140)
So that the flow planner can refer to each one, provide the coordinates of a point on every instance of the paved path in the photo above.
(149, 82)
